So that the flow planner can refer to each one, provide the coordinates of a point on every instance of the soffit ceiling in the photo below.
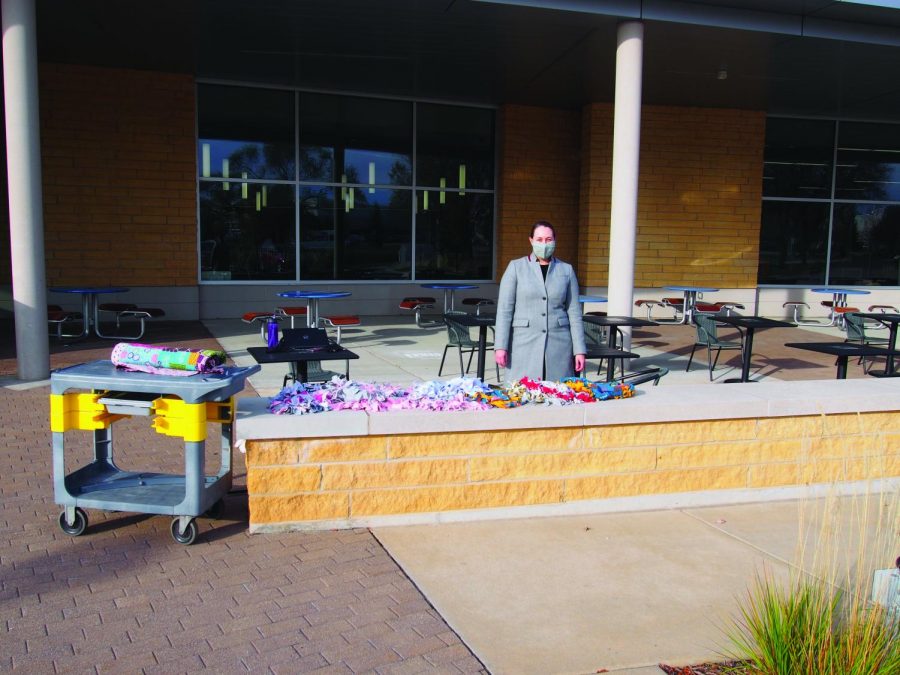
(492, 52)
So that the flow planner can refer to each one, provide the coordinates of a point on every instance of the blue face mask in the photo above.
(544, 251)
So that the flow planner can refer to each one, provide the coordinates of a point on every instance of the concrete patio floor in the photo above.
(394, 349)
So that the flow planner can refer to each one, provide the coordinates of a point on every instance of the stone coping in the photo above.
(676, 403)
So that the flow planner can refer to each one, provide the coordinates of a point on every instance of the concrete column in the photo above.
(625, 167)
(23, 160)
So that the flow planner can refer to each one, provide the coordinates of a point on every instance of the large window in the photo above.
(831, 204)
(309, 186)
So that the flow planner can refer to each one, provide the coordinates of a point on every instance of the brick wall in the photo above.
(699, 196)
(119, 169)
(539, 167)
(310, 479)
(596, 194)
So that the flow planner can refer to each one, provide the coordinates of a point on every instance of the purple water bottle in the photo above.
(272, 333)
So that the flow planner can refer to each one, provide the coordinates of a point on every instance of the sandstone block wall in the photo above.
(304, 480)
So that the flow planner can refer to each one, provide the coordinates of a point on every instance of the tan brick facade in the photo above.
(119, 173)
(539, 168)
(298, 480)
(119, 176)
(699, 195)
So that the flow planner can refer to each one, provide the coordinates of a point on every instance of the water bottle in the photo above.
(272, 333)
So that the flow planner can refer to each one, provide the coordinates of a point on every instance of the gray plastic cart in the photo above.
(181, 406)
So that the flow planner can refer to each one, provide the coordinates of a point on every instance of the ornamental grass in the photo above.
(821, 620)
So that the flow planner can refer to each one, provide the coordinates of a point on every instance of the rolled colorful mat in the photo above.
(166, 360)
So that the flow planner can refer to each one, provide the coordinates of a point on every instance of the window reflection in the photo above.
(798, 158)
(865, 247)
(245, 133)
(351, 167)
(352, 233)
(868, 162)
(454, 239)
(793, 240)
(456, 145)
(246, 233)
(367, 140)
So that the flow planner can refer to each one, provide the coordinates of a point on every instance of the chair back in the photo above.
(458, 335)
(594, 335)
(856, 328)
(706, 329)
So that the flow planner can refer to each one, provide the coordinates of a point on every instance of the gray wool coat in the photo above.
(539, 324)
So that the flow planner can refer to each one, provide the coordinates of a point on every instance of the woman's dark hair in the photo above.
(543, 223)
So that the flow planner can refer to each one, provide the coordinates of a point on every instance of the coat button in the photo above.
(543, 298)
(543, 330)
(543, 314)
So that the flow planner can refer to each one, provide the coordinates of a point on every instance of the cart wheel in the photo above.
(216, 510)
(77, 528)
(190, 533)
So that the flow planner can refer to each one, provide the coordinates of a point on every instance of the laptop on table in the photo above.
(305, 340)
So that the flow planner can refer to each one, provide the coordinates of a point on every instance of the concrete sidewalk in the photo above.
(623, 592)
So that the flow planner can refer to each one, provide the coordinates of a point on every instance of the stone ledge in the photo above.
(676, 403)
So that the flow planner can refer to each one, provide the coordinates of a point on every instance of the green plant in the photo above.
(823, 622)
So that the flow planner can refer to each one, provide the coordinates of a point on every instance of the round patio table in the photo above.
(449, 291)
(89, 304)
(691, 293)
(312, 302)
(838, 299)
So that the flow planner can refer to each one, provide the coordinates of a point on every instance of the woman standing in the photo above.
(539, 332)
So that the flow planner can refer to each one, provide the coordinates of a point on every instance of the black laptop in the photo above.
(305, 340)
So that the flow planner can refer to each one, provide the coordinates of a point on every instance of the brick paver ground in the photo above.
(126, 598)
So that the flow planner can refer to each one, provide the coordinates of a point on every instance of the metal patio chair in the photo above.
(707, 336)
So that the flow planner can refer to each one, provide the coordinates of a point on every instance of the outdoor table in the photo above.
(449, 292)
(89, 306)
(613, 323)
(312, 302)
(843, 351)
(482, 321)
(610, 354)
(751, 324)
(838, 299)
(300, 358)
(891, 321)
(691, 293)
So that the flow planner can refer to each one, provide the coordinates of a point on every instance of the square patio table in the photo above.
(843, 351)
(299, 359)
(614, 322)
(751, 324)
(483, 322)
(610, 354)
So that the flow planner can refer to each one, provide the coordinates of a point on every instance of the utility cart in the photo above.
(92, 396)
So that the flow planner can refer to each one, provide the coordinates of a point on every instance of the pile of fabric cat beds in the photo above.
(440, 395)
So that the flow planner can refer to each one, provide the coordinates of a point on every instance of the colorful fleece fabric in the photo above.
(457, 394)
(166, 360)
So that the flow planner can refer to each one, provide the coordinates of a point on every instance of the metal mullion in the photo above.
(413, 272)
(296, 186)
(834, 151)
